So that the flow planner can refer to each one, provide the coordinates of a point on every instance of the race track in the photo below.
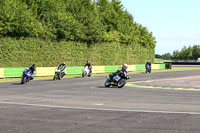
(84, 105)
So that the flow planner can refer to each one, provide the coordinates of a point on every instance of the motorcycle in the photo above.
(117, 80)
(58, 75)
(26, 77)
(148, 69)
(86, 72)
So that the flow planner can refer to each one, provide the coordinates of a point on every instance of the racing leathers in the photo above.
(62, 68)
(89, 65)
(122, 73)
(30, 71)
(148, 66)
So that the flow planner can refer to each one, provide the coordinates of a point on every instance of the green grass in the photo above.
(105, 74)
(156, 60)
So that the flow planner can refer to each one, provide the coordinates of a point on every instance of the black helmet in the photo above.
(34, 66)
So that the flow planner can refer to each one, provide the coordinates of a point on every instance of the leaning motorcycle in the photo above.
(26, 76)
(117, 80)
(58, 75)
(86, 72)
(148, 69)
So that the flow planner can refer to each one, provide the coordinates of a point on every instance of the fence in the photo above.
(48, 71)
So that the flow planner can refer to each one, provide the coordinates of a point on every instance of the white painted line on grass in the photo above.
(100, 109)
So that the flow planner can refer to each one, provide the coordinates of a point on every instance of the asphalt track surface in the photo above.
(195, 66)
(84, 105)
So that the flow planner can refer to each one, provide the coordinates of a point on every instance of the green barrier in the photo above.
(13, 72)
(74, 70)
(109, 69)
(140, 67)
(17, 72)
(162, 66)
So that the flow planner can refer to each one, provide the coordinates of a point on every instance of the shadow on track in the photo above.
(109, 87)
(16, 84)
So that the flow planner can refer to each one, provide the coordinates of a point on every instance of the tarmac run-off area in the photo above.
(167, 102)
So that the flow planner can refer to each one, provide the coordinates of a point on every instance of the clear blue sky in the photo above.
(174, 23)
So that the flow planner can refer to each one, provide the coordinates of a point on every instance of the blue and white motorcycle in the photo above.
(117, 80)
(148, 68)
(26, 77)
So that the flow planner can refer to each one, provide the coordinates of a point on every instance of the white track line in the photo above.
(100, 109)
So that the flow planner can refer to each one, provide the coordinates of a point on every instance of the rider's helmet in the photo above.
(33, 67)
(148, 61)
(88, 62)
(124, 66)
(63, 63)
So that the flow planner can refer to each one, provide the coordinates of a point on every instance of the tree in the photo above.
(86, 21)
(166, 56)
(158, 56)
(187, 53)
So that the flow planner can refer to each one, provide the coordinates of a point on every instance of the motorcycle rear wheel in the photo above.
(121, 83)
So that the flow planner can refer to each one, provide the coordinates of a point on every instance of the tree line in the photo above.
(86, 21)
(187, 53)
(166, 56)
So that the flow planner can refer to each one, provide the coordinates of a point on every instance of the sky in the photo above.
(174, 23)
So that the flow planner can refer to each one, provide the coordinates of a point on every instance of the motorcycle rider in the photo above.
(148, 64)
(122, 71)
(89, 65)
(30, 71)
(62, 68)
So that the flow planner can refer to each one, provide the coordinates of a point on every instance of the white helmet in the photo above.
(63, 63)
(124, 66)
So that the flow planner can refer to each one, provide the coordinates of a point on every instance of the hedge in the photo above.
(24, 52)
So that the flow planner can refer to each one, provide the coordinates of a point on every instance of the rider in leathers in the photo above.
(89, 65)
(30, 71)
(62, 68)
(121, 71)
(148, 64)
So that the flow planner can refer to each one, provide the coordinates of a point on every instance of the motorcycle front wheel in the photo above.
(107, 83)
(54, 77)
(59, 76)
(23, 80)
(83, 74)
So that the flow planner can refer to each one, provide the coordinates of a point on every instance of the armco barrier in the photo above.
(140, 67)
(162, 66)
(45, 71)
(48, 71)
(155, 66)
(132, 68)
(109, 69)
(74, 70)
(98, 69)
(1, 72)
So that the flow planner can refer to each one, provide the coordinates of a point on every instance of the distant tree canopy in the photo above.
(166, 56)
(85, 21)
(187, 53)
